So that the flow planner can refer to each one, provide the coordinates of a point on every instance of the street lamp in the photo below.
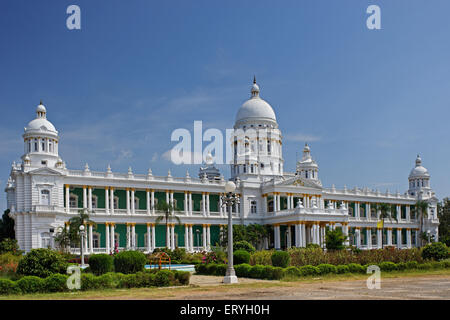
(228, 200)
(428, 234)
(82, 233)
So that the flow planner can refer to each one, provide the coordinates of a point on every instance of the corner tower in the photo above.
(419, 180)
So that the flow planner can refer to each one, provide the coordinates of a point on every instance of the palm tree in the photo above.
(76, 222)
(421, 209)
(386, 212)
(168, 213)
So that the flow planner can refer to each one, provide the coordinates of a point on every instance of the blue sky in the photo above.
(367, 101)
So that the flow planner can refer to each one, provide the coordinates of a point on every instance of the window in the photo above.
(73, 201)
(96, 239)
(45, 240)
(136, 203)
(45, 197)
(269, 150)
(350, 211)
(116, 202)
(44, 162)
(373, 213)
(253, 206)
(36, 145)
(29, 146)
(362, 212)
(43, 145)
(270, 206)
(50, 147)
(94, 201)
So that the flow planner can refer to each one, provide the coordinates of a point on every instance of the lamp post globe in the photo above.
(230, 187)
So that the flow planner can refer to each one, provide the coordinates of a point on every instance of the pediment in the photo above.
(300, 182)
(45, 171)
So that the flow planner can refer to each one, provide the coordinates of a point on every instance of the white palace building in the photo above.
(42, 195)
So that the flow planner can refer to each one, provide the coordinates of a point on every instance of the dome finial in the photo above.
(254, 79)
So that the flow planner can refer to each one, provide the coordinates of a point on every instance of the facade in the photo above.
(42, 195)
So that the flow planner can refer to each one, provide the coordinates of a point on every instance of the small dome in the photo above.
(255, 108)
(41, 108)
(419, 170)
(40, 124)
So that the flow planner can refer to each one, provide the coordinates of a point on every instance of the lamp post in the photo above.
(428, 234)
(228, 200)
(82, 233)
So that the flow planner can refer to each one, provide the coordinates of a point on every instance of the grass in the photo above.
(170, 292)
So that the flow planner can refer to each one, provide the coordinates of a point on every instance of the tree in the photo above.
(76, 222)
(443, 210)
(168, 213)
(421, 208)
(253, 233)
(335, 239)
(7, 226)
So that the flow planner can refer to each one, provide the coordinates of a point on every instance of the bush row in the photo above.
(110, 280)
(276, 273)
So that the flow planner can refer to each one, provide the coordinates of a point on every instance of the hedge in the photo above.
(241, 256)
(280, 259)
(276, 273)
(42, 263)
(129, 262)
(101, 263)
(110, 280)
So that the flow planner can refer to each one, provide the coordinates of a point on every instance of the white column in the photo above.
(297, 230)
(368, 210)
(358, 237)
(67, 198)
(204, 204)
(389, 236)
(112, 200)
(172, 236)
(133, 236)
(207, 205)
(91, 240)
(149, 236)
(113, 241)
(208, 237)
(408, 238)
(345, 231)
(106, 200)
(168, 245)
(357, 213)
(171, 200)
(153, 204)
(279, 202)
(191, 238)
(408, 213)
(85, 246)
(275, 207)
(153, 237)
(128, 200)
(128, 236)
(147, 203)
(186, 235)
(276, 231)
(416, 233)
(204, 238)
(84, 198)
(369, 238)
(133, 209)
(220, 205)
(107, 238)
(289, 236)
(288, 202)
(399, 238)
(90, 198)
(186, 203)
(379, 238)
(398, 212)
(303, 234)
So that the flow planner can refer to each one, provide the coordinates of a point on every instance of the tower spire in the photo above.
(254, 79)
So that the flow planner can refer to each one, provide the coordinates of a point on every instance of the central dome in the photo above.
(255, 108)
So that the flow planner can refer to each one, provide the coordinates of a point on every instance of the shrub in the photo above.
(293, 272)
(183, 277)
(201, 268)
(446, 263)
(437, 265)
(42, 263)
(335, 239)
(268, 272)
(312, 246)
(257, 272)
(262, 257)
(435, 251)
(411, 265)
(129, 262)
(221, 270)
(31, 284)
(101, 263)
(178, 254)
(309, 270)
(211, 268)
(356, 268)
(244, 245)
(387, 266)
(277, 273)
(241, 256)
(326, 268)
(129, 281)
(111, 280)
(342, 268)
(89, 282)
(280, 259)
(243, 270)
(56, 283)
(402, 266)
(425, 266)
(9, 245)
(164, 278)
(8, 287)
